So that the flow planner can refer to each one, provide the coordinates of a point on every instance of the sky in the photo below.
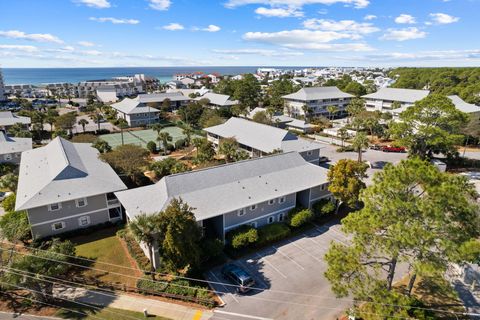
(121, 33)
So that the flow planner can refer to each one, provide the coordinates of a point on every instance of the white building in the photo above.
(317, 99)
(2, 88)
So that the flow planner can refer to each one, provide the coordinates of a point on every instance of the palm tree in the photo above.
(122, 124)
(331, 111)
(83, 123)
(359, 143)
(157, 127)
(144, 228)
(306, 111)
(187, 131)
(343, 135)
(97, 117)
(164, 137)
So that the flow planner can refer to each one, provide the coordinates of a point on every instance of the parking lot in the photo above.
(290, 281)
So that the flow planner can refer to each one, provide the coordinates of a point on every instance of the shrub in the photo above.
(103, 131)
(211, 248)
(272, 232)
(299, 216)
(152, 147)
(9, 203)
(180, 143)
(243, 236)
(323, 207)
(148, 286)
(14, 226)
(170, 147)
(345, 149)
(134, 249)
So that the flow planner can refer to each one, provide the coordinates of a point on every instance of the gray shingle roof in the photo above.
(260, 136)
(14, 145)
(464, 106)
(318, 93)
(218, 190)
(160, 97)
(396, 94)
(62, 171)
(132, 106)
(7, 118)
(218, 99)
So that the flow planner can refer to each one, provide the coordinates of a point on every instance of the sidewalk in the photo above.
(134, 303)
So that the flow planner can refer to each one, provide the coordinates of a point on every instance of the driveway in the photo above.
(290, 276)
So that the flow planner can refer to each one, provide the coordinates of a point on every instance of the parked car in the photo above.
(394, 149)
(376, 147)
(3, 195)
(323, 159)
(238, 276)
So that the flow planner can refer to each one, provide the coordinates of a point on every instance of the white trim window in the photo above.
(271, 219)
(84, 221)
(281, 217)
(282, 200)
(271, 201)
(253, 207)
(309, 153)
(58, 226)
(54, 206)
(241, 212)
(81, 202)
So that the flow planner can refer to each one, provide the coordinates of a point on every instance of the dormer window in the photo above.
(81, 202)
(54, 206)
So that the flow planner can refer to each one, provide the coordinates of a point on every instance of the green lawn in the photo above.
(104, 314)
(105, 246)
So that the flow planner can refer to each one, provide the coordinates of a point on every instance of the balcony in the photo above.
(113, 202)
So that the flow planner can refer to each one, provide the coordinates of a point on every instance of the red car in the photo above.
(394, 149)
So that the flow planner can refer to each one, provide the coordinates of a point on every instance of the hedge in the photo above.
(323, 207)
(176, 289)
(242, 236)
(134, 250)
(273, 232)
(299, 216)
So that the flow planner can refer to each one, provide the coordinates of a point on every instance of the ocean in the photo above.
(38, 76)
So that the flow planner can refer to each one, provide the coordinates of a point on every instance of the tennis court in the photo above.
(141, 137)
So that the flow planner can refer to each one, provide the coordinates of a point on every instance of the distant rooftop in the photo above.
(396, 94)
(318, 93)
(13, 144)
(218, 99)
(7, 118)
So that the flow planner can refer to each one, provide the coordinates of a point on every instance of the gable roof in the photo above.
(160, 97)
(397, 94)
(233, 186)
(62, 171)
(7, 118)
(464, 106)
(318, 93)
(261, 136)
(132, 106)
(13, 144)
(218, 99)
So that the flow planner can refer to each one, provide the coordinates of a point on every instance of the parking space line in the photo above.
(325, 229)
(241, 315)
(226, 290)
(308, 253)
(271, 265)
(283, 254)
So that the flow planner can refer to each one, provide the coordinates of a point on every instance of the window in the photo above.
(7, 157)
(81, 202)
(281, 217)
(309, 153)
(322, 187)
(253, 224)
(114, 213)
(241, 212)
(84, 221)
(253, 207)
(54, 206)
(271, 220)
(58, 226)
(281, 200)
(272, 201)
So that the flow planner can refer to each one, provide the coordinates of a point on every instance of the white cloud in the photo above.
(92, 52)
(261, 52)
(100, 4)
(210, 28)
(405, 19)
(279, 12)
(443, 18)
(62, 50)
(308, 39)
(404, 34)
(348, 26)
(173, 27)
(18, 48)
(115, 20)
(38, 37)
(161, 5)
(86, 43)
(296, 3)
(370, 17)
